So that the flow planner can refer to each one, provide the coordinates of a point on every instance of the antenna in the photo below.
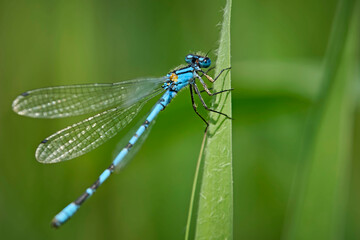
(208, 52)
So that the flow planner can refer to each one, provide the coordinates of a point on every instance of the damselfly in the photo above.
(123, 100)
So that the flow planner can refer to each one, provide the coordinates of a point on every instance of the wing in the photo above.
(65, 101)
(88, 134)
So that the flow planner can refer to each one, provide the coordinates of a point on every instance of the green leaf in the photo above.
(319, 194)
(215, 213)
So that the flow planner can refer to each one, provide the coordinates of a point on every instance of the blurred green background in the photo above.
(277, 53)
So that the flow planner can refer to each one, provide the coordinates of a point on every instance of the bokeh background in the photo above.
(278, 48)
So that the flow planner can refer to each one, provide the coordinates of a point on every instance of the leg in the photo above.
(210, 78)
(217, 92)
(207, 90)
(209, 70)
(204, 104)
(226, 90)
(221, 73)
(195, 108)
(206, 72)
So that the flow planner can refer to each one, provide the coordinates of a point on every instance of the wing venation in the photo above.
(73, 100)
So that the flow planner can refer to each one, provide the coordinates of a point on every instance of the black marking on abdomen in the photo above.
(146, 124)
(111, 167)
(82, 198)
(173, 90)
(44, 141)
(128, 146)
(95, 185)
(162, 100)
(24, 94)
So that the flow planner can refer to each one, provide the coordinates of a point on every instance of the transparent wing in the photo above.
(65, 101)
(88, 134)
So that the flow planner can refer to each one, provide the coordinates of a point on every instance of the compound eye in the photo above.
(206, 62)
(189, 58)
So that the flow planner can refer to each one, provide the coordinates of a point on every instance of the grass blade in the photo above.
(193, 191)
(215, 213)
(317, 208)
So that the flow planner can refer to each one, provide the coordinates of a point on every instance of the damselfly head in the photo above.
(202, 62)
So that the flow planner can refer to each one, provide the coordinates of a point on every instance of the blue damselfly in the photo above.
(121, 101)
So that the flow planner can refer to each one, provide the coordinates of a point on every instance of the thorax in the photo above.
(180, 78)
